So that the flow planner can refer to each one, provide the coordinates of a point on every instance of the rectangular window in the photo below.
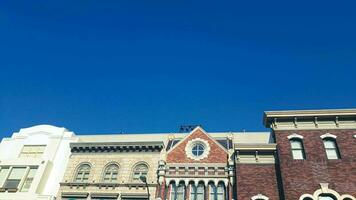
(28, 180)
(14, 179)
(297, 149)
(32, 151)
(3, 174)
(331, 149)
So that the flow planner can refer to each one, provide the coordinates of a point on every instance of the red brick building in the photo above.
(316, 153)
(308, 155)
(198, 167)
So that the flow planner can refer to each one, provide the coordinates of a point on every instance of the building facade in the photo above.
(306, 155)
(316, 153)
(32, 162)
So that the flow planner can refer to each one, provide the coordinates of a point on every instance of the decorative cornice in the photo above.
(101, 184)
(117, 147)
(310, 119)
(322, 112)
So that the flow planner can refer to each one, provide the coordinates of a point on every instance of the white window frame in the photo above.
(336, 149)
(259, 196)
(324, 189)
(134, 170)
(111, 173)
(82, 176)
(301, 149)
(23, 178)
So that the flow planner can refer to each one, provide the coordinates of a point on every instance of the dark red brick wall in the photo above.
(303, 176)
(253, 179)
(216, 155)
(161, 190)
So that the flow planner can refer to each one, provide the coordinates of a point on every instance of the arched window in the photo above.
(200, 192)
(331, 149)
(193, 191)
(212, 191)
(326, 197)
(110, 173)
(197, 192)
(82, 175)
(180, 192)
(297, 149)
(220, 192)
(173, 188)
(138, 171)
(177, 192)
(216, 193)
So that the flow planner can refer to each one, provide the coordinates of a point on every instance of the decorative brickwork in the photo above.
(216, 155)
(304, 176)
(254, 179)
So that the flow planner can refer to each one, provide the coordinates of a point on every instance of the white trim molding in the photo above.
(306, 196)
(328, 135)
(324, 189)
(190, 145)
(294, 135)
(259, 196)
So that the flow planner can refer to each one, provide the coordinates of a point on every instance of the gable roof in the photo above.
(192, 132)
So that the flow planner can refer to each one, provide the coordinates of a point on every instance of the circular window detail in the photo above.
(197, 149)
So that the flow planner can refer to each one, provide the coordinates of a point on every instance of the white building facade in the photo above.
(33, 162)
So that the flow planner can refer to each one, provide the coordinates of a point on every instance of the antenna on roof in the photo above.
(187, 128)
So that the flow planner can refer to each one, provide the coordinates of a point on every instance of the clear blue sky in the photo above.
(150, 66)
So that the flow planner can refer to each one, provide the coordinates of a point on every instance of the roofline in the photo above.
(92, 144)
(307, 113)
(213, 134)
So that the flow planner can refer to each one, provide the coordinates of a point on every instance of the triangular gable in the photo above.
(217, 153)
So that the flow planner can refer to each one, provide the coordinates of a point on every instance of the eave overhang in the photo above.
(271, 116)
(117, 147)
